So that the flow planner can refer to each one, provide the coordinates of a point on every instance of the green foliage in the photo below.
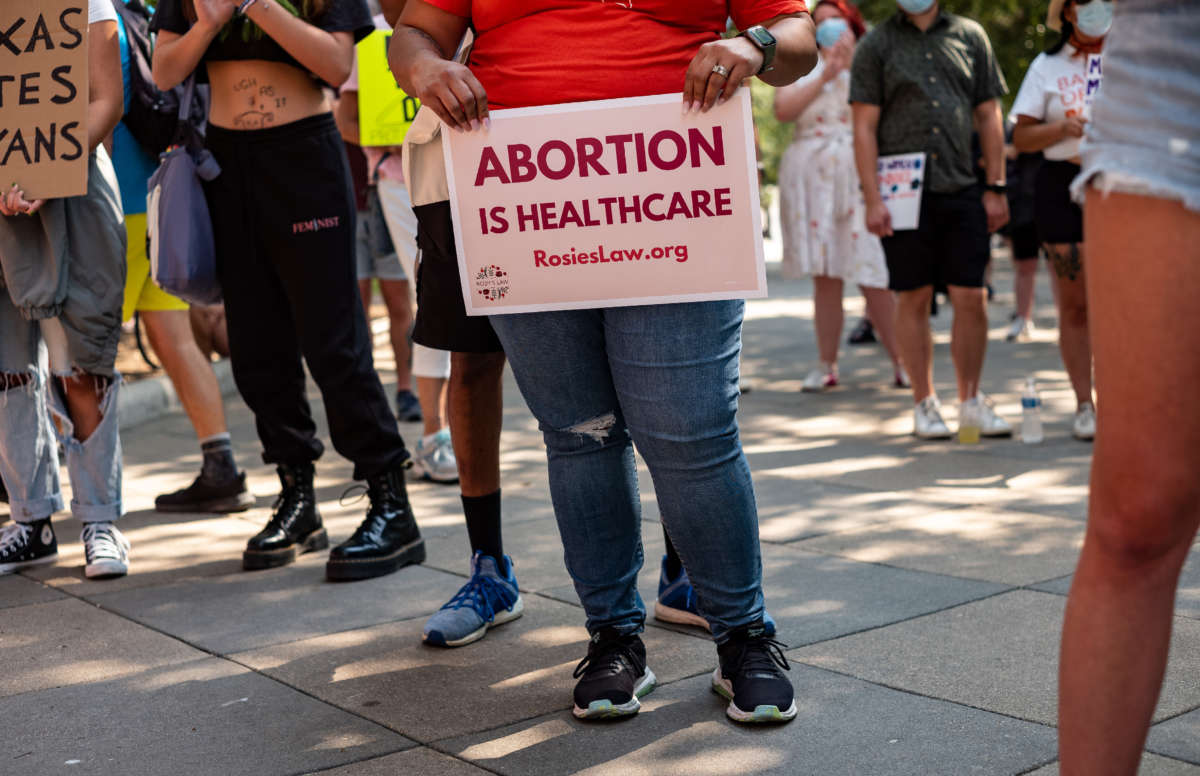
(1016, 28)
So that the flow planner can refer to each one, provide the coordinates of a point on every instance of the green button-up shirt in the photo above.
(927, 85)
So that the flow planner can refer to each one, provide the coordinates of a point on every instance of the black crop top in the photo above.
(236, 41)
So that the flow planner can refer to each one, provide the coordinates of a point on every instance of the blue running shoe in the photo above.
(677, 602)
(488, 599)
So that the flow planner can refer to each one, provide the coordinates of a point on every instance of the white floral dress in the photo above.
(821, 206)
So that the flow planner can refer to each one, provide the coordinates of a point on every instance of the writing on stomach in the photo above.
(255, 94)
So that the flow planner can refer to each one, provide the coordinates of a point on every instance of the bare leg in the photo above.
(968, 337)
(881, 306)
(83, 395)
(190, 372)
(1023, 286)
(827, 301)
(1145, 496)
(398, 299)
(1074, 340)
(915, 339)
(208, 329)
(433, 392)
(476, 410)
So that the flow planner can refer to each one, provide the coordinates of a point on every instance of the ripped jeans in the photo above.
(34, 418)
(663, 378)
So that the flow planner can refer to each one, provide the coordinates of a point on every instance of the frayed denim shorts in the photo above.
(1144, 136)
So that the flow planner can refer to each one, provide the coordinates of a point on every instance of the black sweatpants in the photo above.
(283, 216)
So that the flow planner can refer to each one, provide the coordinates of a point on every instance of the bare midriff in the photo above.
(256, 94)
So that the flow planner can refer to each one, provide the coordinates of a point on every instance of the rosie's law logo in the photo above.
(492, 283)
(316, 224)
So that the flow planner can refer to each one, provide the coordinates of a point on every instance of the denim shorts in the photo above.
(1144, 136)
(375, 255)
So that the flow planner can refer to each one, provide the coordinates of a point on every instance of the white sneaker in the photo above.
(106, 550)
(1084, 426)
(1021, 329)
(990, 424)
(927, 420)
(819, 379)
(434, 458)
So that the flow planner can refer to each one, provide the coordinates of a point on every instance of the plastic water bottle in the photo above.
(1031, 414)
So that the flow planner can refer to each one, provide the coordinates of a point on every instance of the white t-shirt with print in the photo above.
(101, 11)
(1055, 88)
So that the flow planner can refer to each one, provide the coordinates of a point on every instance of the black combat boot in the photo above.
(294, 529)
(388, 538)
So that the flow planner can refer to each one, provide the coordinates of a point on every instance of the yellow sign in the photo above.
(385, 112)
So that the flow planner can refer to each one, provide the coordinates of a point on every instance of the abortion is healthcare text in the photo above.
(642, 203)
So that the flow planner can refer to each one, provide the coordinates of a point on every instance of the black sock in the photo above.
(674, 565)
(483, 524)
(219, 465)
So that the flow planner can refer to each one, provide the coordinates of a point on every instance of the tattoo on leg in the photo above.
(1066, 260)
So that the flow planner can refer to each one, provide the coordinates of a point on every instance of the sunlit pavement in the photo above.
(919, 585)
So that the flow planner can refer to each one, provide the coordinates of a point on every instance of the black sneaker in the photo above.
(206, 495)
(862, 334)
(612, 677)
(750, 677)
(27, 544)
(408, 408)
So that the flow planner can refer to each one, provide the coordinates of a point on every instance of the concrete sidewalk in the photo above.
(919, 585)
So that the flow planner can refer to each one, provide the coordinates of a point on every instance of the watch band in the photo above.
(998, 187)
(764, 41)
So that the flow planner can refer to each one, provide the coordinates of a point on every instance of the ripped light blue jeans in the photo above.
(33, 415)
(663, 378)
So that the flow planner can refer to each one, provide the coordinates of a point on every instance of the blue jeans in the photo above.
(663, 377)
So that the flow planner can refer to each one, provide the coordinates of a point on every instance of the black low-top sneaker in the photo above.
(26, 544)
(749, 676)
(206, 494)
(612, 677)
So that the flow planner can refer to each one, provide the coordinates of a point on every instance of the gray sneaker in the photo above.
(435, 461)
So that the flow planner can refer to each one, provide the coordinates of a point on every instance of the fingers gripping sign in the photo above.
(717, 70)
(454, 93)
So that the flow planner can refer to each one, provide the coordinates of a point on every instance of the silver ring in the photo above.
(721, 70)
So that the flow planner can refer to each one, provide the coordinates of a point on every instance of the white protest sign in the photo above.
(901, 179)
(607, 203)
(1095, 71)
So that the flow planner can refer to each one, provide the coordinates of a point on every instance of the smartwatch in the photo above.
(765, 42)
(997, 188)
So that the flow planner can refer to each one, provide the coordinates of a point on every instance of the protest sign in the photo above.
(901, 179)
(44, 97)
(607, 203)
(385, 112)
(1095, 70)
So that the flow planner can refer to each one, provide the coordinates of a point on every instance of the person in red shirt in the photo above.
(666, 375)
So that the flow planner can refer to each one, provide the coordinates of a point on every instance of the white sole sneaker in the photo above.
(678, 616)
(609, 710)
(9, 568)
(105, 568)
(503, 616)
(723, 687)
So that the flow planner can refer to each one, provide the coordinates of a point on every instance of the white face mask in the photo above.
(1094, 18)
(917, 6)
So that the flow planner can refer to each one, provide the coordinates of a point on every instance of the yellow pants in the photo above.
(140, 291)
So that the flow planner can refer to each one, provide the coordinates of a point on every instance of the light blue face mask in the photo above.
(830, 30)
(916, 6)
(1094, 19)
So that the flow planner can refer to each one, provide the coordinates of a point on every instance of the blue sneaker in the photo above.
(677, 602)
(486, 600)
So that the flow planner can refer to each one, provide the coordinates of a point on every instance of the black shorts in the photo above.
(951, 246)
(1025, 242)
(442, 320)
(1058, 219)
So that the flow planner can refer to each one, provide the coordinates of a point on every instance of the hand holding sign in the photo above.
(704, 83)
(452, 91)
(14, 203)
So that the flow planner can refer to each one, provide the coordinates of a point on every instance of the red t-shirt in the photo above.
(540, 52)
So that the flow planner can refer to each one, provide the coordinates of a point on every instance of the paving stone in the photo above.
(1152, 765)
(253, 609)
(1187, 597)
(422, 761)
(999, 654)
(999, 546)
(69, 642)
(16, 590)
(519, 670)
(844, 726)
(207, 716)
(1179, 737)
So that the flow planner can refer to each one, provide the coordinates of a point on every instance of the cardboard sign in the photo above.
(1095, 71)
(44, 97)
(385, 112)
(901, 179)
(605, 204)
